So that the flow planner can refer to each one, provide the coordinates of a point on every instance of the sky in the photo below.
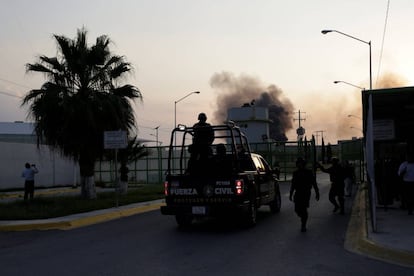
(180, 46)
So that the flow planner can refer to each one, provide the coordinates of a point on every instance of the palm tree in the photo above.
(134, 151)
(81, 98)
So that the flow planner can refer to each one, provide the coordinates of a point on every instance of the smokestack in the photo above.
(235, 91)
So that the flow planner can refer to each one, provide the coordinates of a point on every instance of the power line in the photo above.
(383, 39)
(9, 94)
(15, 83)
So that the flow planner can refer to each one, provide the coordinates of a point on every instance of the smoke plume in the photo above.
(348, 126)
(236, 91)
(391, 80)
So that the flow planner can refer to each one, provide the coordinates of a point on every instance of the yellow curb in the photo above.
(68, 224)
(357, 240)
(34, 225)
(110, 216)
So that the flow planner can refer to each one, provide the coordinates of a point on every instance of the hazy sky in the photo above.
(177, 46)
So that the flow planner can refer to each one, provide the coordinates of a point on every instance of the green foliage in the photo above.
(82, 97)
(57, 206)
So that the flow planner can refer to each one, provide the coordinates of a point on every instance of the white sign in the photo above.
(115, 139)
(383, 130)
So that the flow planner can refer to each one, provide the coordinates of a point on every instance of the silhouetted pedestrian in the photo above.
(406, 172)
(29, 176)
(303, 180)
(337, 177)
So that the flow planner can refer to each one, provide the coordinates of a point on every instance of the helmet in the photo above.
(202, 117)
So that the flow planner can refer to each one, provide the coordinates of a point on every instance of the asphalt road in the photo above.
(151, 244)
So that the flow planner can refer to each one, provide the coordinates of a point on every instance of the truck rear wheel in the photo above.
(184, 220)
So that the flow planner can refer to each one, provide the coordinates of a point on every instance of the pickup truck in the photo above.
(229, 181)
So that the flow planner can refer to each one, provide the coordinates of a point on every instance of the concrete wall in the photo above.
(54, 170)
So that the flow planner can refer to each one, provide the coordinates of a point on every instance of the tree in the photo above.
(83, 96)
(131, 153)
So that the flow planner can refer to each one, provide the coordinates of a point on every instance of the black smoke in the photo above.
(236, 91)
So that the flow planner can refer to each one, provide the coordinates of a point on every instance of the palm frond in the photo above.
(128, 91)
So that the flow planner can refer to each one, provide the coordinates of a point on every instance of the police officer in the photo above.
(203, 137)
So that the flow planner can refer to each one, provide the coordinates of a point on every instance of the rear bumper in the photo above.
(210, 210)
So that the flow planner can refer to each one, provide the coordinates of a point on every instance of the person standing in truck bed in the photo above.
(203, 137)
(200, 150)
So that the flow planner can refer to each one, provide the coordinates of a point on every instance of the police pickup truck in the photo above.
(223, 178)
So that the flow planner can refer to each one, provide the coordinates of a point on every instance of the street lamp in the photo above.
(362, 88)
(369, 135)
(363, 41)
(179, 100)
(156, 134)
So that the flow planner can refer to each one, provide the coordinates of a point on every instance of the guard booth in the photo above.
(392, 128)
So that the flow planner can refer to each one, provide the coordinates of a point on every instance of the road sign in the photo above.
(115, 139)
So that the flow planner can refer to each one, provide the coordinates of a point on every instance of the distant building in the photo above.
(17, 132)
(252, 120)
(18, 145)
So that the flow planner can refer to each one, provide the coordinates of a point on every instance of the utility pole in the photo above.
(317, 135)
(299, 118)
(300, 131)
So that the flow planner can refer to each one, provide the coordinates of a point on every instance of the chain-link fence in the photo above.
(152, 169)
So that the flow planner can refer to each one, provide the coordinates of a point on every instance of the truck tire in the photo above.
(276, 203)
(183, 220)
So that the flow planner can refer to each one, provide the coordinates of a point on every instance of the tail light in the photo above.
(239, 186)
(166, 193)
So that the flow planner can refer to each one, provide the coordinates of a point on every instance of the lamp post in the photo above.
(156, 135)
(369, 137)
(362, 88)
(175, 111)
(179, 100)
(360, 40)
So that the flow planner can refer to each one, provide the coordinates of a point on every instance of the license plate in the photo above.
(199, 210)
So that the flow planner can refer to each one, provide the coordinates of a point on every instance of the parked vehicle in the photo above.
(230, 180)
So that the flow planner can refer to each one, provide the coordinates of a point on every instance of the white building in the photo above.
(18, 146)
(252, 120)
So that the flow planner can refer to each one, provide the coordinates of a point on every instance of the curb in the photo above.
(357, 241)
(80, 220)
